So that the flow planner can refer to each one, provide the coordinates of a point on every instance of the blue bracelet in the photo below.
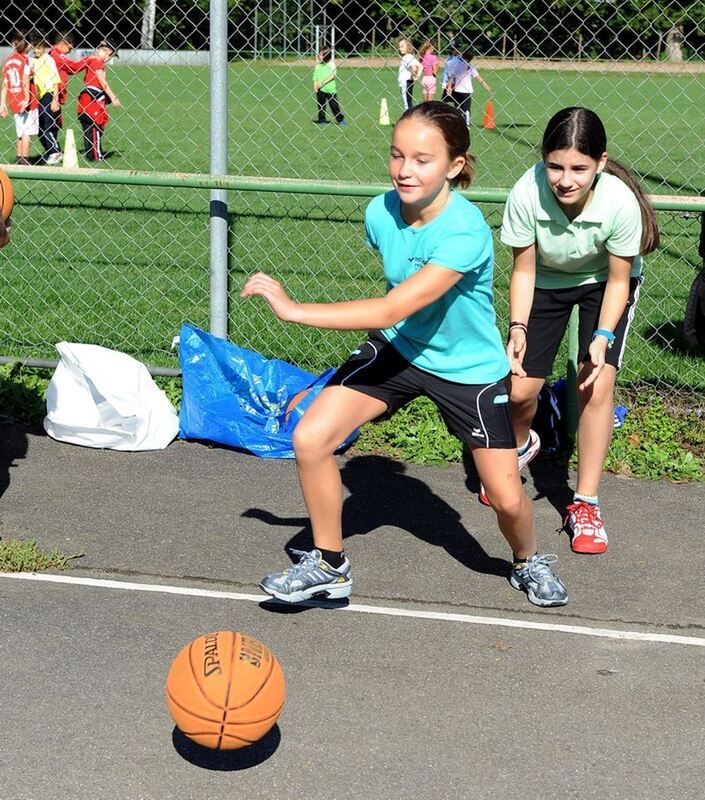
(607, 334)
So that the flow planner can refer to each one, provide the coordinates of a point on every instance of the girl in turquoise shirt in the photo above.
(434, 335)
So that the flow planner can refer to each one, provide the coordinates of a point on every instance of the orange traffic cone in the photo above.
(488, 119)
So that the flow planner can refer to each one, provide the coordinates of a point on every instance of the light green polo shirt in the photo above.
(320, 73)
(573, 252)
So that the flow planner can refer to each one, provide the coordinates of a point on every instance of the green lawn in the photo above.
(124, 266)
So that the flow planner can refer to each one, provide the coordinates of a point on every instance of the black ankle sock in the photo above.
(517, 560)
(333, 557)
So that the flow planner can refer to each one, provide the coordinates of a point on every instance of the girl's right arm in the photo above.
(411, 295)
(521, 298)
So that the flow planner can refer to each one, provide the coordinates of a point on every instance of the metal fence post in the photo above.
(219, 166)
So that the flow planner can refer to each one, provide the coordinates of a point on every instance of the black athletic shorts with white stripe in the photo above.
(478, 414)
(549, 318)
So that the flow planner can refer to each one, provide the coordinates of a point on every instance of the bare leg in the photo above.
(332, 417)
(499, 473)
(596, 404)
(522, 405)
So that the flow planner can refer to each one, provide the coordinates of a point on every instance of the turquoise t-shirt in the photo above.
(573, 252)
(455, 337)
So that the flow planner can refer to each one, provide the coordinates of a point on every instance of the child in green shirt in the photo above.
(325, 88)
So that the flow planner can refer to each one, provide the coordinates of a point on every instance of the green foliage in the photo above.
(657, 441)
(171, 388)
(416, 434)
(17, 555)
(22, 394)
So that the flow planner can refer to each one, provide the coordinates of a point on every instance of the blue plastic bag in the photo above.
(239, 398)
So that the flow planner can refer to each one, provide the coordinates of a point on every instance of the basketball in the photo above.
(225, 690)
(7, 195)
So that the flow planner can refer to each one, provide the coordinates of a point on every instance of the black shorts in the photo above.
(478, 414)
(549, 318)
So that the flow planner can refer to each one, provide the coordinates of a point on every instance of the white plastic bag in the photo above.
(103, 398)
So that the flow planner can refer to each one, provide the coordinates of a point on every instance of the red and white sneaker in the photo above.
(586, 528)
(528, 455)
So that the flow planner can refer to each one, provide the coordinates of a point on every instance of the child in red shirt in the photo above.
(19, 93)
(63, 45)
(93, 101)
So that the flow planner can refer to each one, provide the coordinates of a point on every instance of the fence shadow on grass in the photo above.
(668, 336)
(382, 494)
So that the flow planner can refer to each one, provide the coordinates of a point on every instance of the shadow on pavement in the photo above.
(13, 445)
(382, 494)
(226, 760)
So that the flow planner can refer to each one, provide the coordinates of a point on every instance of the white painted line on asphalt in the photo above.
(442, 616)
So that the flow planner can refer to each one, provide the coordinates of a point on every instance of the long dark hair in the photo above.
(451, 123)
(581, 129)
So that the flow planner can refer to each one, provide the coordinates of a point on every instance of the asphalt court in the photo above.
(436, 694)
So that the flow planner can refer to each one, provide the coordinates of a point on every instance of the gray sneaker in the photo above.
(536, 577)
(310, 577)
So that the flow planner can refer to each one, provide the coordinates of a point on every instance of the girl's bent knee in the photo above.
(309, 441)
(509, 506)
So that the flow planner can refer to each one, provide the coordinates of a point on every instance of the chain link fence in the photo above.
(123, 265)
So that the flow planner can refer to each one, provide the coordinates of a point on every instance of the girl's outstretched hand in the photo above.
(516, 349)
(272, 291)
(596, 352)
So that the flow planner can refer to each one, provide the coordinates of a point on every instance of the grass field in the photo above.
(124, 266)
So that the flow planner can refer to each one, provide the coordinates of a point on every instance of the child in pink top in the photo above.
(429, 64)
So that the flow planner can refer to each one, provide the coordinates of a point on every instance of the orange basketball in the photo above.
(225, 690)
(7, 195)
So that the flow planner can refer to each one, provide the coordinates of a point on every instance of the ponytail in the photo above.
(467, 174)
(650, 238)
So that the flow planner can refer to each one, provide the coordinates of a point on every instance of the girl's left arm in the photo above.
(411, 295)
(613, 304)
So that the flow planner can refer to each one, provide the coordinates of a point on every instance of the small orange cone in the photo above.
(488, 120)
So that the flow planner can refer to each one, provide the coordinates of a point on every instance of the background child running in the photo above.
(459, 82)
(47, 82)
(409, 70)
(93, 101)
(448, 67)
(325, 88)
(434, 335)
(18, 92)
(577, 222)
(63, 45)
(429, 66)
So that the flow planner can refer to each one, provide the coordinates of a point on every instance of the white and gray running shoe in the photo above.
(311, 577)
(536, 577)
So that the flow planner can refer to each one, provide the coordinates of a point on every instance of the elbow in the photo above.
(392, 314)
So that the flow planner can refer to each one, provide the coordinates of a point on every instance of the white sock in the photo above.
(585, 498)
(521, 450)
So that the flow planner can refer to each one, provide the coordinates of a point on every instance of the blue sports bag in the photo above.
(239, 398)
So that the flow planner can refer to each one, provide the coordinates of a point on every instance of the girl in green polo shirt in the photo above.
(578, 224)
